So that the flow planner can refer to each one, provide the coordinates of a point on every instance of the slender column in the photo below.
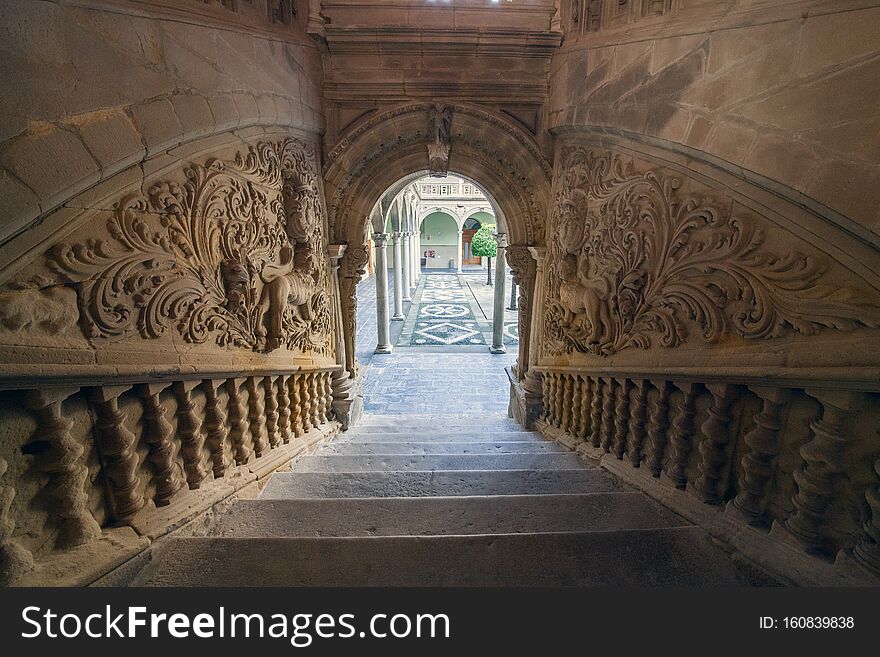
(238, 421)
(189, 429)
(14, 559)
(157, 434)
(682, 438)
(116, 445)
(215, 428)
(383, 345)
(637, 423)
(61, 461)
(757, 465)
(406, 274)
(659, 424)
(498, 313)
(716, 432)
(414, 260)
(341, 379)
(458, 253)
(399, 278)
(257, 417)
(512, 305)
(824, 458)
(272, 415)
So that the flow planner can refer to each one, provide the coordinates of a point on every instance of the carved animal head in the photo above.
(568, 267)
(236, 280)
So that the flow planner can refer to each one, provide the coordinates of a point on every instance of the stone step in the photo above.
(431, 462)
(438, 426)
(291, 485)
(677, 556)
(509, 447)
(442, 436)
(413, 516)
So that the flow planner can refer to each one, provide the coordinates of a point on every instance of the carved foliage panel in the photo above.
(643, 257)
(226, 252)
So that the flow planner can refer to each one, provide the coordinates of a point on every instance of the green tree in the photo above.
(483, 244)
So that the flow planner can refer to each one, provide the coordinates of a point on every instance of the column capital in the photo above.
(395, 237)
(336, 251)
(380, 239)
(501, 240)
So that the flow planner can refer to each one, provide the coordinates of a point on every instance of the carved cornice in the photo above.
(638, 258)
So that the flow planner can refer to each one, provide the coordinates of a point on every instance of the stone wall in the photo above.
(168, 305)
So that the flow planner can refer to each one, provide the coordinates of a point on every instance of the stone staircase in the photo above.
(445, 501)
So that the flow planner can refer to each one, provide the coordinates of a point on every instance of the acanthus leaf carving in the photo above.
(635, 260)
(230, 254)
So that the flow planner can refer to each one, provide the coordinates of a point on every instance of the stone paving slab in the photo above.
(432, 462)
(414, 516)
(680, 556)
(288, 485)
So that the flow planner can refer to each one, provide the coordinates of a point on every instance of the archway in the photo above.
(387, 151)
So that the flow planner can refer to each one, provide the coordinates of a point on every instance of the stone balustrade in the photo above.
(107, 467)
(775, 469)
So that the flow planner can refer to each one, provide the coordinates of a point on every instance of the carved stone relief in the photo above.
(440, 129)
(229, 251)
(636, 259)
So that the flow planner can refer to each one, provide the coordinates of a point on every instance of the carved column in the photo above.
(716, 435)
(608, 401)
(341, 383)
(61, 460)
(296, 402)
(116, 445)
(257, 417)
(271, 401)
(383, 345)
(596, 412)
(397, 258)
(637, 423)
(215, 428)
(757, 465)
(406, 274)
(621, 417)
(824, 457)
(523, 268)
(354, 260)
(158, 434)
(682, 438)
(14, 559)
(189, 429)
(658, 426)
(867, 552)
(284, 413)
(565, 384)
(498, 312)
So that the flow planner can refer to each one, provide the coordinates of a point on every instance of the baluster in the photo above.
(682, 438)
(637, 423)
(238, 422)
(867, 552)
(577, 391)
(305, 402)
(158, 434)
(716, 432)
(271, 401)
(550, 378)
(545, 396)
(323, 405)
(757, 465)
(584, 422)
(567, 406)
(596, 412)
(257, 417)
(284, 409)
(14, 559)
(215, 428)
(296, 404)
(608, 414)
(189, 428)
(61, 460)
(621, 417)
(824, 458)
(313, 390)
(659, 421)
(116, 445)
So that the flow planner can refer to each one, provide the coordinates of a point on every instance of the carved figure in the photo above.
(580, 294)
(438, 148)
(291, 283)
(236, 281)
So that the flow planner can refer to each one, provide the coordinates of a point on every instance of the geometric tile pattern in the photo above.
(445, 311)
(446, 333)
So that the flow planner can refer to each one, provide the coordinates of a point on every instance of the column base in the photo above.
(383, 349)
(497, 350)
(397, 318)
(407, 299)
